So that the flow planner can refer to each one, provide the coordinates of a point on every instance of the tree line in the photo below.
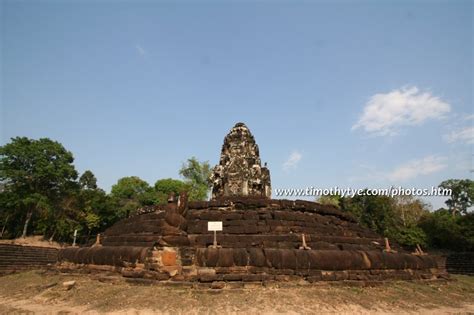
(41, 193)
(409, 221)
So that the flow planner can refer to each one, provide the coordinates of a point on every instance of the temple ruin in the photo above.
(240, 171)
(262, 240)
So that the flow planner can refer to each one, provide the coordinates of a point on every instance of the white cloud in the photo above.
(428, 165)
(464, 135)
(141, 51)
(292, 161)
(384, 114)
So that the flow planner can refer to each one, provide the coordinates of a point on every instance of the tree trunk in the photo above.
(4, 226)
(52, 236)
(27, 221)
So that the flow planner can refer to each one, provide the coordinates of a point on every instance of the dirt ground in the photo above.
(40, 292)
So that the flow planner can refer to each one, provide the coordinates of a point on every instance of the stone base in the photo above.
(208, 265)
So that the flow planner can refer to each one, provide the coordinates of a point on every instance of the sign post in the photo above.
(75, 235)
(214, 226)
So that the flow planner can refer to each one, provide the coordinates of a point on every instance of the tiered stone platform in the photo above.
(262, 238)
(260, 241)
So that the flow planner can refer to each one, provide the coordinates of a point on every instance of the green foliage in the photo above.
(196, 175)
(452, 228)
(169, 185)
(36, 175)
(129, 188)
(131, 193)
(407, 235)
(333, 200)
(164, 187)
(92, 221)
(88, 180)
(374, 212)
(462, 194)
(449, 232)
(407, 212)
(396, 218)
(41, 194)
(94, 204)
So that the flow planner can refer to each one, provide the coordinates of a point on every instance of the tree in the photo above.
(396, 218)
(37, 174)
(164, 187)
(196, 174)
(97, 211)
(130, 193)
(372, 211)
(331, 200)
(462, 194)
(408, 210)
(87, 209)
(88, 180)
(446, 231)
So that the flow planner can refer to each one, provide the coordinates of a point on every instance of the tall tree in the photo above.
(37, 172)
(97, 211)
(164, 187)
(396, 218)
(408, 210)
(130, 193)
(447, 231)
(462, 194)
(372, 211)
(196, 174)
(88, 180)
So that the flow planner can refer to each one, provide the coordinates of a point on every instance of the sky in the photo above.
(346, 93)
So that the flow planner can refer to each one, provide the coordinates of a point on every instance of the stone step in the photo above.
(28, 254)
(25, 267)
(21, 257)
(32, 258)
(26, 249)
(14, 258)
(4, 254)
(26, 261)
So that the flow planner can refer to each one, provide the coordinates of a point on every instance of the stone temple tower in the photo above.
(239, 172)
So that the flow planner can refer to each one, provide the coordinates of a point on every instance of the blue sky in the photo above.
(348, 93)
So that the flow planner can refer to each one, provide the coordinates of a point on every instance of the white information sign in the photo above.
(214, 226)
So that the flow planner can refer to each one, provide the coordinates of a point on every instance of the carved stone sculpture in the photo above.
(239, 172)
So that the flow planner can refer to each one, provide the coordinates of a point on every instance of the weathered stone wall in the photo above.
(255, 264)
(162, 228)
(460, 263)
(248, 222)
(302, 260)
(277, 224)
(18, 258)
(120, 256)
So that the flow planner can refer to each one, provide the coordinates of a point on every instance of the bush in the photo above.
(445, 231)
